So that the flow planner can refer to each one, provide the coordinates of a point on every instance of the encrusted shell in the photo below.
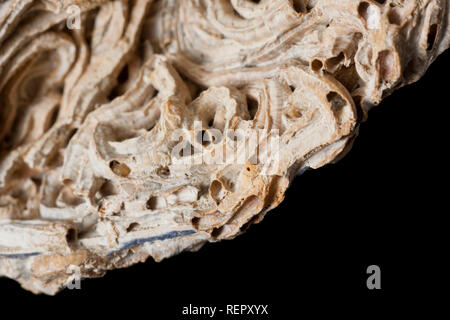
(153, 127)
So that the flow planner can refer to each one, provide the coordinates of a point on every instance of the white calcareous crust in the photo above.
(154, 127)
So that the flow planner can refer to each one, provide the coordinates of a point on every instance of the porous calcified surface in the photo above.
(94, 172)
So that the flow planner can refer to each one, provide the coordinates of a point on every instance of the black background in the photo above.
(383, 204)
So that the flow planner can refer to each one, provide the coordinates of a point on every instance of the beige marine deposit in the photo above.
(141, 128)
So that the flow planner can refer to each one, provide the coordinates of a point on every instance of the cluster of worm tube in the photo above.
(157, 126)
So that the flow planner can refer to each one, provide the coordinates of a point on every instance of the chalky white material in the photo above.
(145, 128)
